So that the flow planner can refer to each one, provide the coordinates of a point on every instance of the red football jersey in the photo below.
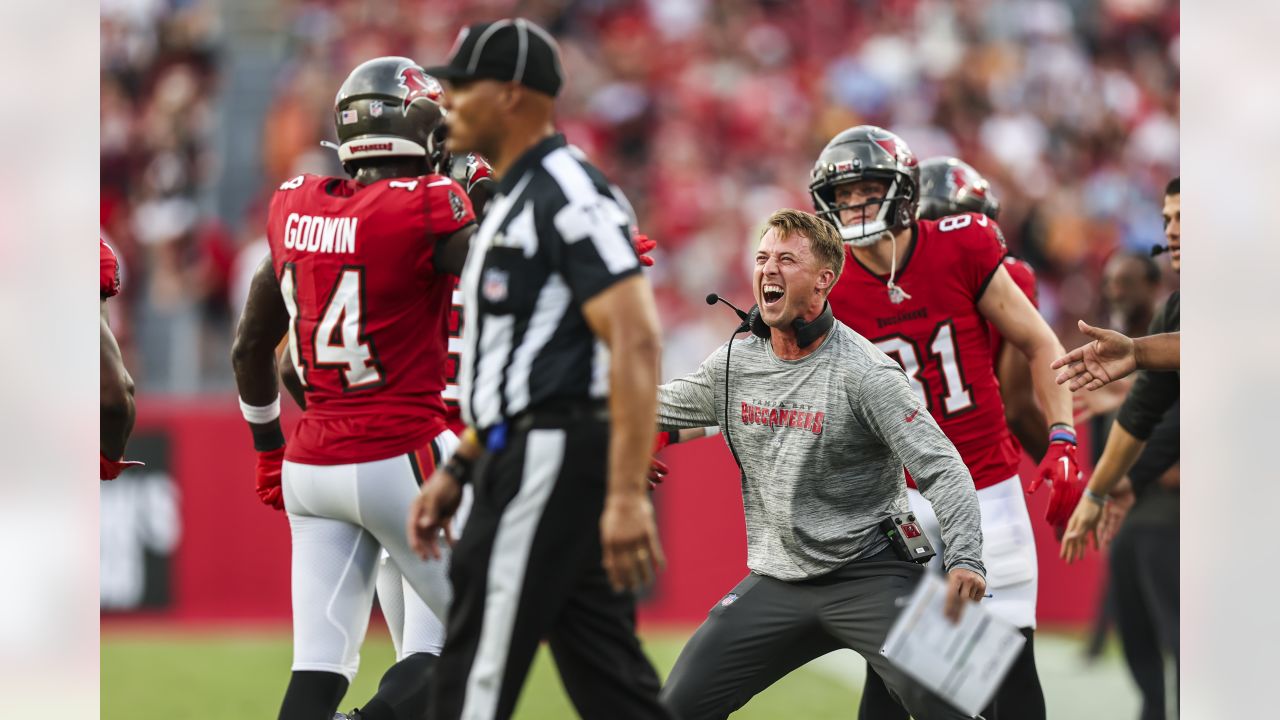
(368, 310)
(108, 271)
(453, 410)
(938, 335)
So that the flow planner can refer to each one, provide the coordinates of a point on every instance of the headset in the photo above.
(806, 334)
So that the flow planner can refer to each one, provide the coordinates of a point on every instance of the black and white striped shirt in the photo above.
(556, 234)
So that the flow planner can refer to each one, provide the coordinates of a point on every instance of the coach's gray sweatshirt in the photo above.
(822, 442)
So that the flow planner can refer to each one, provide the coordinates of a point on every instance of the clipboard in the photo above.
(964, 662)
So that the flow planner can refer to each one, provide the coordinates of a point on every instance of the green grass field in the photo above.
(153, 675)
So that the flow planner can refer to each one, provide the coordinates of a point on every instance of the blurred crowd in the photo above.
(708, 113)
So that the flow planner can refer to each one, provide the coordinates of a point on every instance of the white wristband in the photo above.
(260, 414)
(713, 430)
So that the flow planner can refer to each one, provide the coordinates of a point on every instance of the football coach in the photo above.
(821, 424)
(558, 375)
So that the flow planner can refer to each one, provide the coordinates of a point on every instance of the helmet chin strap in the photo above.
(896, 293)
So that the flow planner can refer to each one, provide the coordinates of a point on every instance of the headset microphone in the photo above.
(1159, 250)
(713, 298)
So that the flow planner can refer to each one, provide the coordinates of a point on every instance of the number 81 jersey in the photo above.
(938, 335)
(368, 310)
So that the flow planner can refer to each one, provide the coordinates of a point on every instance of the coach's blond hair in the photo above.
(824, 241)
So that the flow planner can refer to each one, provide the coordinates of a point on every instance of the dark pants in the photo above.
(765, 628)
(528, 568)
(1144, 583)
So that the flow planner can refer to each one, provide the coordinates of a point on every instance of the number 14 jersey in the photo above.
(938, 335)
(368, 310)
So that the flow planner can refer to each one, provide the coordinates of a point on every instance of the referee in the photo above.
(558, 383)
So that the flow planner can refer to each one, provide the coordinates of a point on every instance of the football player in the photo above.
(360, 279)
(924, 291)
(950, 186)
(116, 411)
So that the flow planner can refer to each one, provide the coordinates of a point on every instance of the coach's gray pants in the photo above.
(765, 628)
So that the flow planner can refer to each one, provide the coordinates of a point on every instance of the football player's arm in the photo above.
(451, 250)
(289, 377)
(1021, 413)
(253, 355)
(116, 412)
(1018, 321)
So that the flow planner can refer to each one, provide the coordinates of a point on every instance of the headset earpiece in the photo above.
(758, 328)
(806, 332)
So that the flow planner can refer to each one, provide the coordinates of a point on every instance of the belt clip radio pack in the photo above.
(907, 539)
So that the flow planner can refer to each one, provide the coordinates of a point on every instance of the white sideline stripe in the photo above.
(544, 453)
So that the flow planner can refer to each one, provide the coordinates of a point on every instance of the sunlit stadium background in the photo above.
(709, 115)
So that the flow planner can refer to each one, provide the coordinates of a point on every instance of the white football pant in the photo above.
(1008, 549)
(341, 517)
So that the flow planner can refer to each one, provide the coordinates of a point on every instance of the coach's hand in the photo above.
(1108, 357)
(1082, 526)
(431, 513)
(962, 585)
(631, 553)
(267, 477)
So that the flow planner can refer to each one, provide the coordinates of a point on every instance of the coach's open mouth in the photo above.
(771, 293)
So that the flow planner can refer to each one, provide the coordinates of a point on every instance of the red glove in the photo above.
(643, 246)
(110, 469)
(658, 470)
(270, 463)
(1060, 469)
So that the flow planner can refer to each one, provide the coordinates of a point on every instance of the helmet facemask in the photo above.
(862, 234)
(860, 153)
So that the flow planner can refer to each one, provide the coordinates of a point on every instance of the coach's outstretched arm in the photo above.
(689, 402)
(263, 323)
(887, 406)
(1111, 356)
(624, 317)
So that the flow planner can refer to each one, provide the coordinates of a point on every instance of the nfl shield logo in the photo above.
(727, 600)
(494, 285)
(375, 108)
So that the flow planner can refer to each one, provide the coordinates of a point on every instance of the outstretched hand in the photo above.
(1109, 357)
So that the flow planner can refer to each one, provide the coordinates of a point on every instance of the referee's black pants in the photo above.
(529, 567)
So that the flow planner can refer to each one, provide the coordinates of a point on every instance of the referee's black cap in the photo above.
(512, 50)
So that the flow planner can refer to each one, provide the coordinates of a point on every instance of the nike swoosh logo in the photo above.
(438, 183)
(912, 415)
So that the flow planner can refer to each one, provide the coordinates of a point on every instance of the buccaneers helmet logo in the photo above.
(896, 150)
(418, 86)
(958, 180)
